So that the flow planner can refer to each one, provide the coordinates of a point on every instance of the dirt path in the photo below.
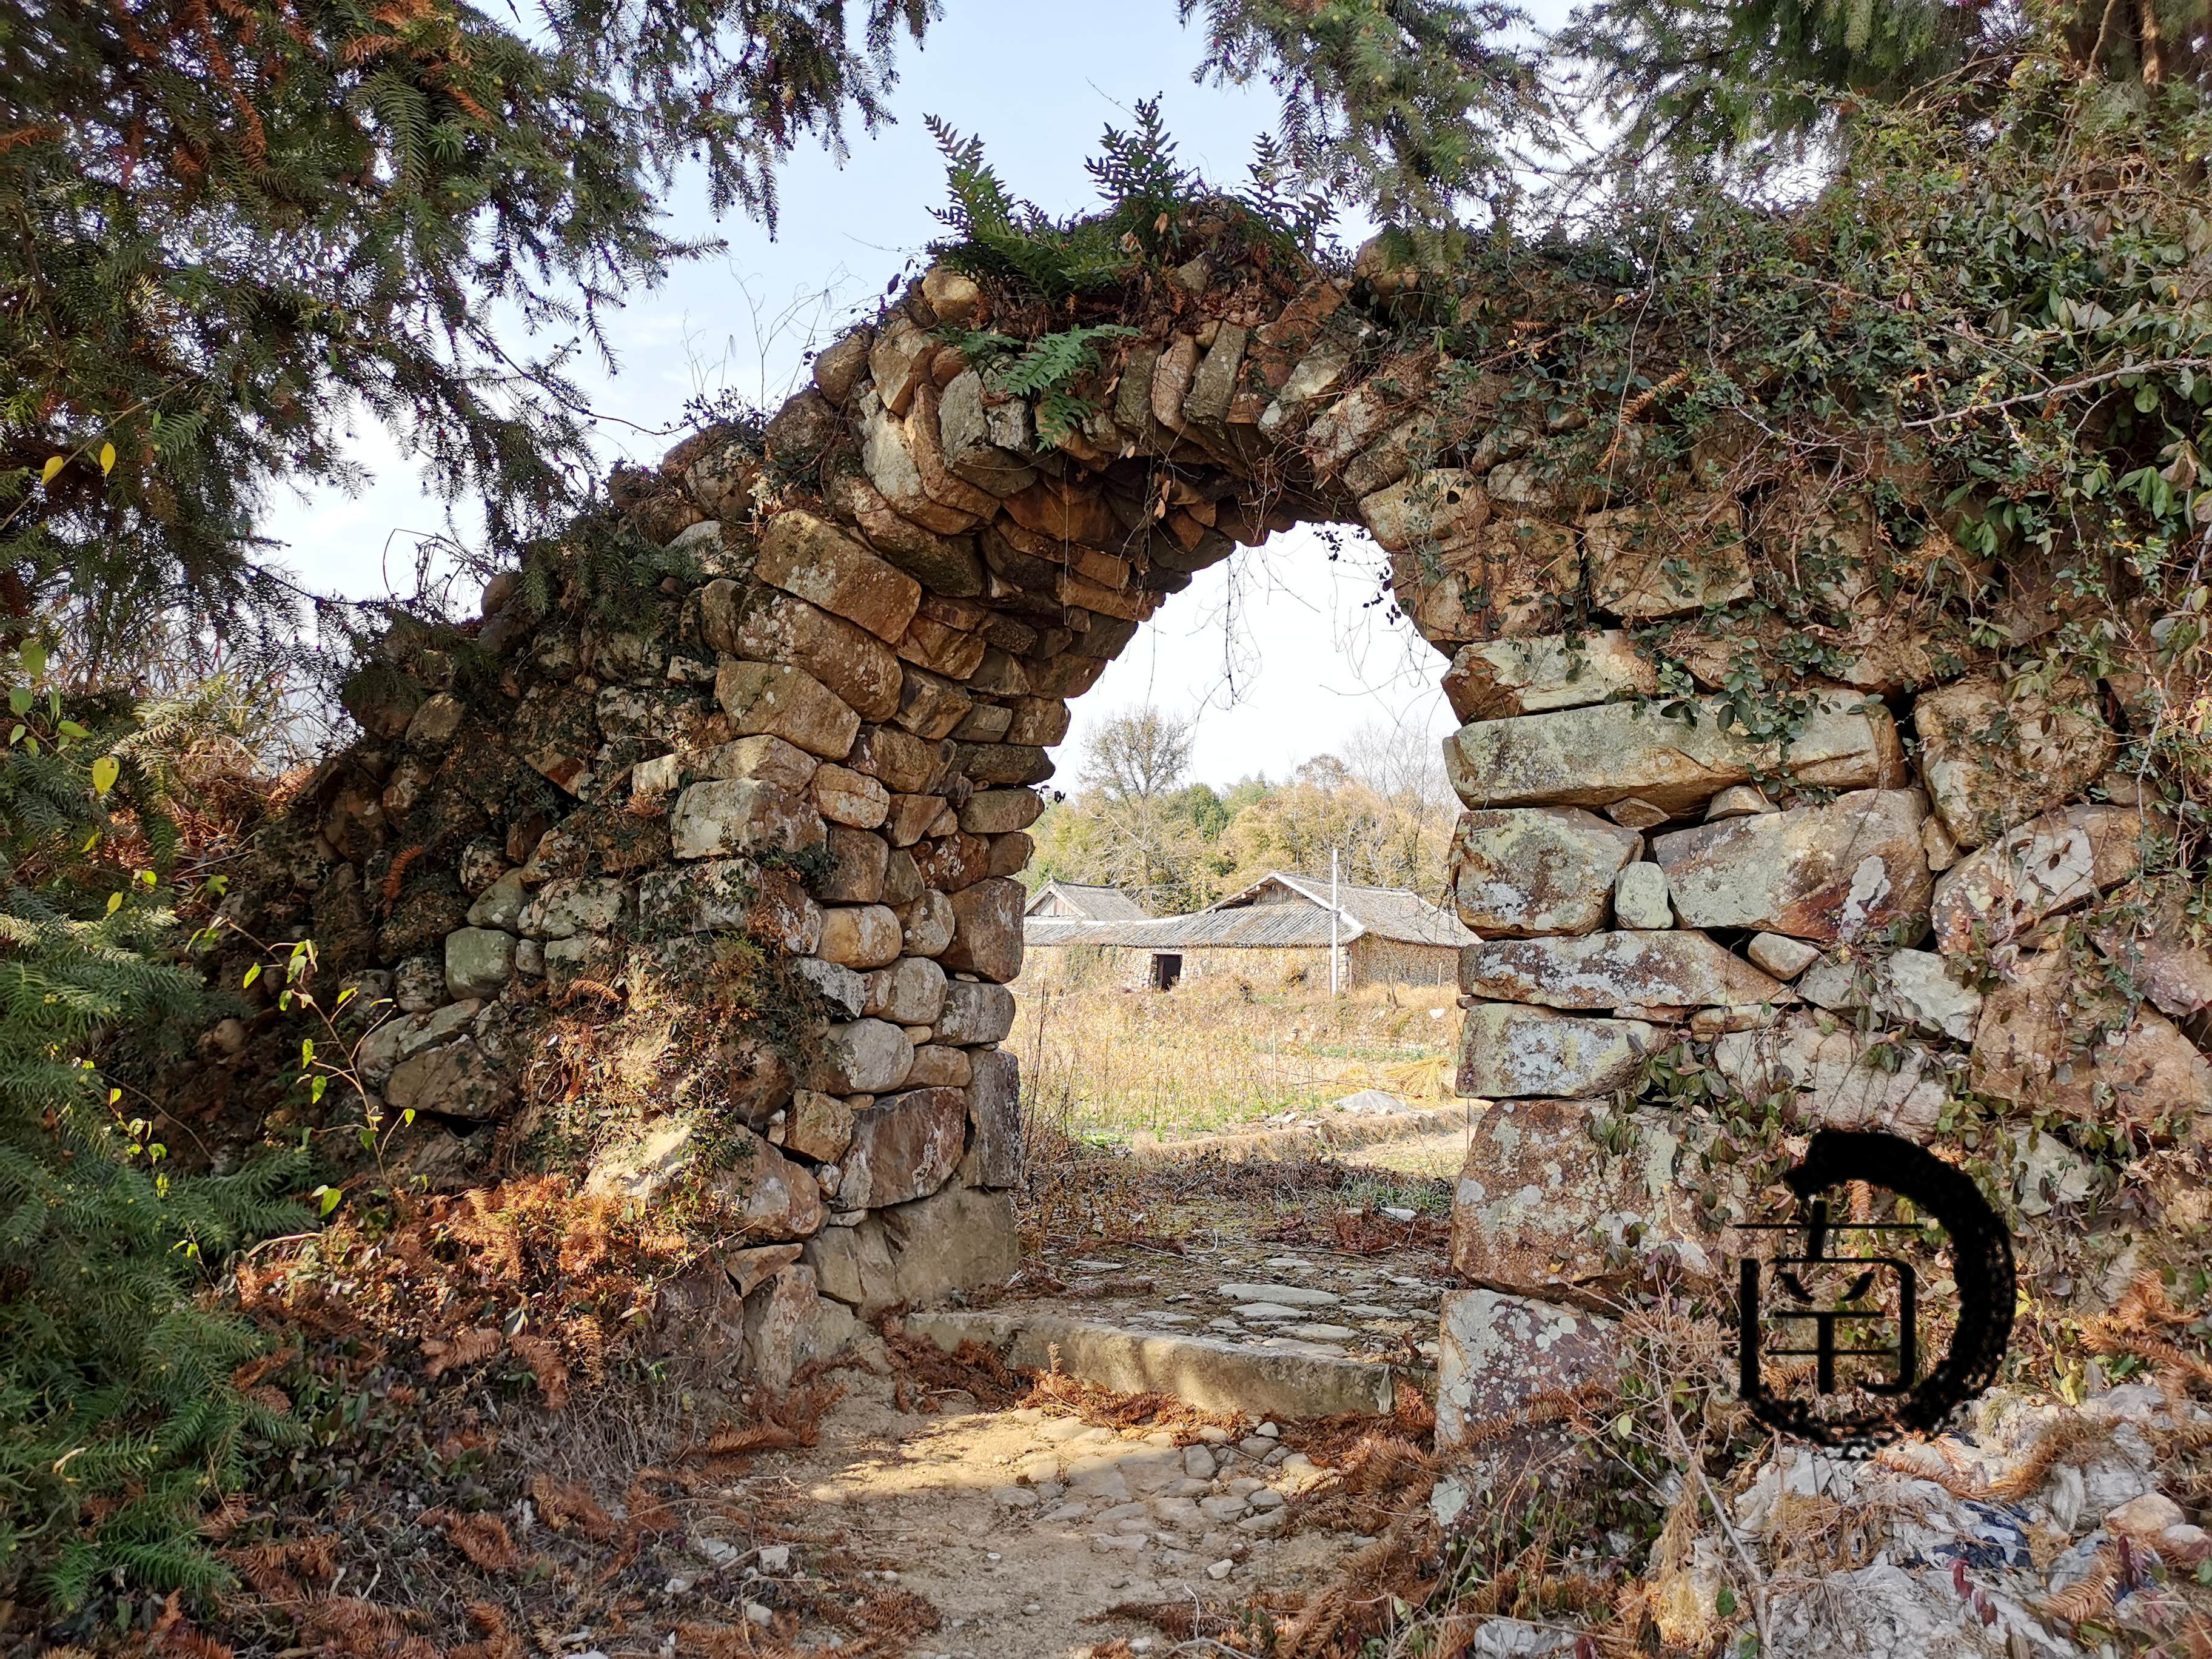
(1020, 1528)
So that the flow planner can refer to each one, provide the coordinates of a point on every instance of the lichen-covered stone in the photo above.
(1508, 1050)
(1849, 869)
(1992, 758)
(1545, 1207)
(1496, 679)
(1904, 987)
(720, 816)
(564, 909)
(1837, 1077)
(2048, 864)
(1640, 898)
(786, 702)
(1649, 562)
(1519, 872)
(732, 894)
(904, 1146)
(816, 562)
(455, 1080)
(1498, 1354)
(2054, 1038)
(1672, 968)
(479, 961)
(976, 1012)
(1610, 752)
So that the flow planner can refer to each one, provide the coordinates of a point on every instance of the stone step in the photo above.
(1207, 1372)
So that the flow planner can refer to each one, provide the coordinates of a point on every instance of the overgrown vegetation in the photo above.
(122, 1408)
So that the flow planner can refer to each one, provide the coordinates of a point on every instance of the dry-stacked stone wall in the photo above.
(780, 813)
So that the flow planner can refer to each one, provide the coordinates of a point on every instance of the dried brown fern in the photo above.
(562, 1503)
(484, 1539)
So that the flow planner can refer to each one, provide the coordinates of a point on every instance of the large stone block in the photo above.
(1000, 812)
(1612, 752)
(720, 816)
(976, 1012)
(1840, 1079)
(788, 1323)
(910, 992)
(852, 664)
(1519, 872)
(1904, 987)
(1507, 1050)
(2158, 952)
(479, 961)
(764, 758)
(1513, 577)
(1498, 1355)
(819, 1125)
(863, 1057)
(573, 905)
(985, 437)
(457, 1079)
(1851, 869)
(995, 1118)
(822, 565)
(1544, 1208)
(1440, 508)
(859, 936)
(844, 796)
(1497, 680)
(1992, 759)
(759, 1192)
(904, 1146)
(2057, 1038)
(1669, 969)
(986, 929)
(1648, 561)
(786, 702)
(2048, 864)
(920, 1254)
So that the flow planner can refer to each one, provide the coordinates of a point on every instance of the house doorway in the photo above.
(1167, 968)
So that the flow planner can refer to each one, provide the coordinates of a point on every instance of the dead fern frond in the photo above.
(484, 1539)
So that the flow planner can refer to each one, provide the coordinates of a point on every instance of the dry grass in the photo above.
(1120, 1067)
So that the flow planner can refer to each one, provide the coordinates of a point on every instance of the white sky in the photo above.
(1279, 653)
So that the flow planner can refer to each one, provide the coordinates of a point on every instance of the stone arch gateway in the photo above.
(791, 786)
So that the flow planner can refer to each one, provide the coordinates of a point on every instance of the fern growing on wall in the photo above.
(1046, 368)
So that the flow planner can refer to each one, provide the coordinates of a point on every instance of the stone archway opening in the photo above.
(802, 757)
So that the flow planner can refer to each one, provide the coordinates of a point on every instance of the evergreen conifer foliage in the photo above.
(235, 228)
(119, 1417)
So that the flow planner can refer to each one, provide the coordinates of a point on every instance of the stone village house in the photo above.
(1275, 933)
